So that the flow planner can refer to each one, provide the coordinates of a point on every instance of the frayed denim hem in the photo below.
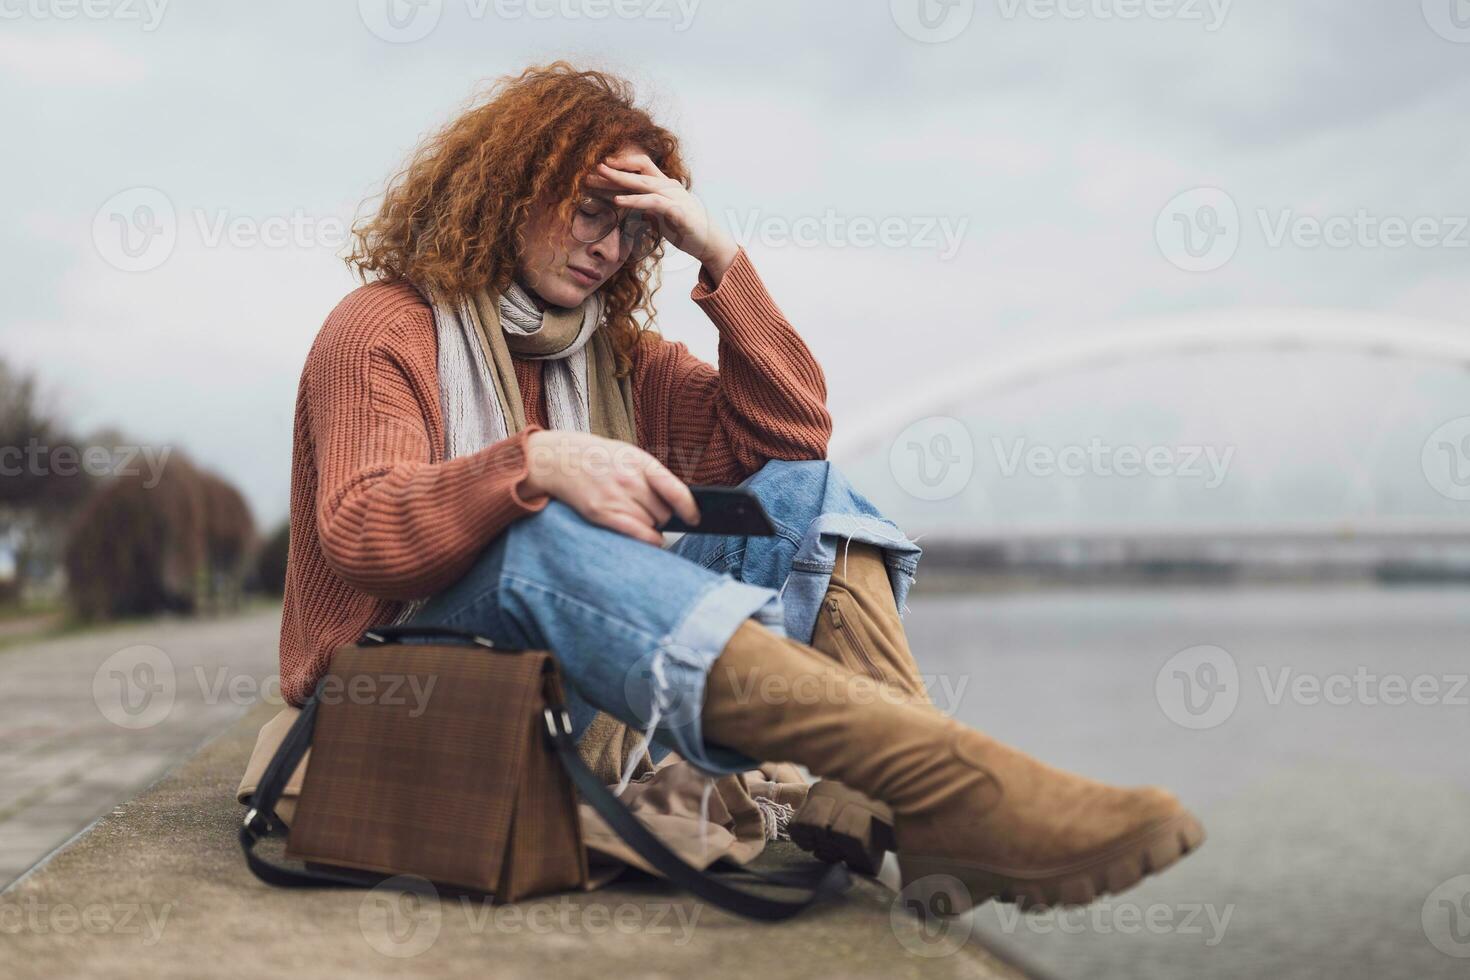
(822, 550)
(671, 679)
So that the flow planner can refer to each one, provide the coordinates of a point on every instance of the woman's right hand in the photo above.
(609, 482)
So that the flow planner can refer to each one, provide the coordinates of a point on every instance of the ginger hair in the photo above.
(453, 220)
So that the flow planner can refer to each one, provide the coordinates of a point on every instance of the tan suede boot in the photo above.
(859, 627)
(974, 818)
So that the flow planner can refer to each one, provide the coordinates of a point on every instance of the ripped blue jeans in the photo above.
(636, 628)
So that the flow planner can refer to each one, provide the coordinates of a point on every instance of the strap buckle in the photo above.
(251, 817)
(552, 717)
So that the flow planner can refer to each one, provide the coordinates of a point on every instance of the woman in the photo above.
(486, 438)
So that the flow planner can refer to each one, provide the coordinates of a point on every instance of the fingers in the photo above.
(632, 527)
(639, 503)
(638, 181)
(602, 183)
(650, 503)
(628, 490)
(656, 203)
(674, 491)
(662, 214)
(638, 161)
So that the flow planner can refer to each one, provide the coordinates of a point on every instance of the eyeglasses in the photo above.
(595, 218)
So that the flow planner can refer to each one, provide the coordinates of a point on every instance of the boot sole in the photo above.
(859, 842)
(945, 886)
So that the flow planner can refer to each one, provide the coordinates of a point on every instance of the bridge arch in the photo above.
(1111, 342)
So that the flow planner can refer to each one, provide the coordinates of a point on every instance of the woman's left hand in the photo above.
(682, 219)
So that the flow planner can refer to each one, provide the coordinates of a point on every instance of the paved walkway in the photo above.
(22, 627)
(1337, 843)
(88, 720)
(158, 889)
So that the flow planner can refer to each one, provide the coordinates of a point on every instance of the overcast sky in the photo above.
(1023, 169)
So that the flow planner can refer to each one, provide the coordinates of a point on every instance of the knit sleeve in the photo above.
(767, 399)
(392, 522)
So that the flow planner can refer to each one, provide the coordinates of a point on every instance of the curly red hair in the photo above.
(452, 221)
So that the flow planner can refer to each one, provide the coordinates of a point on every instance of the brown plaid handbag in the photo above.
(454, 761)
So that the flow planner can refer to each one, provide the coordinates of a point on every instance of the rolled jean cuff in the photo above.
(820, 551)
(676, 672)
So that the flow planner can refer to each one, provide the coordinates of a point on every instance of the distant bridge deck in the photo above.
(1431, 547)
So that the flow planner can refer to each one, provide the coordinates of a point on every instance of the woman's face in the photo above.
(561, 270)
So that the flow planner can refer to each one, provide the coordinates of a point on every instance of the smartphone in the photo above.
(725, 510)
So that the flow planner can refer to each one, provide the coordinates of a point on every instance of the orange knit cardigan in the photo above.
(378, 516)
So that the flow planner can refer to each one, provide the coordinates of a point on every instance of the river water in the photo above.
(1320, 733)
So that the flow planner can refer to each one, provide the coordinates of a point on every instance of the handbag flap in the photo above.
(418, 761)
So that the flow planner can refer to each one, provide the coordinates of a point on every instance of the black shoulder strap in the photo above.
(829, 881)
(261, 819)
